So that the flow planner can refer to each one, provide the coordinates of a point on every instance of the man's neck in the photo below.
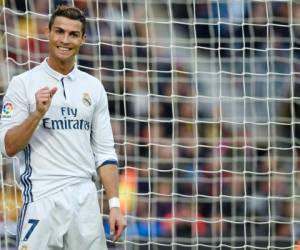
(61, 67)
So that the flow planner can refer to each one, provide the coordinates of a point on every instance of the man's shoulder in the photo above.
(87, 76)
(29, 74)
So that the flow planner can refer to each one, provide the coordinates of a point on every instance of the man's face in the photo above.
(65, 39)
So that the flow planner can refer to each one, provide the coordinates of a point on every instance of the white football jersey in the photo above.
(71, 141)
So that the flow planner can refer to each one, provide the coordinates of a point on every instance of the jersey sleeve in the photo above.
(102, 140)
(15, 109)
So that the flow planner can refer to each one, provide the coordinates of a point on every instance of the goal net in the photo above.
(205, 108)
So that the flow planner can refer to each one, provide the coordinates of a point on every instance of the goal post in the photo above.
(204, 99)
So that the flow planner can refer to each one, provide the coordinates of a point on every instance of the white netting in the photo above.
(204, 101)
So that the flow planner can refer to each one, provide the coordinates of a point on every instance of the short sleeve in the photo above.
(102, 140)
(15, 108)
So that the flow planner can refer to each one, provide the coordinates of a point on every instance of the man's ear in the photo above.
(83, 39)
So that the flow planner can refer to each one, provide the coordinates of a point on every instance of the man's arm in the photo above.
(18, 137)
(102, 143)
(110, 178)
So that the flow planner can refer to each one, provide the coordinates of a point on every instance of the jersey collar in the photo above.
(57, 75)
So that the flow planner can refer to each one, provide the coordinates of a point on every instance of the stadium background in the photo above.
(204, 102)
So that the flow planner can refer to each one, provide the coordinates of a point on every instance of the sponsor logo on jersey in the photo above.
(69, 120)
(65, 123)
(7, 109)
(86, 99)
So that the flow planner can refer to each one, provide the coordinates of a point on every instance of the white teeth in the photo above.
(64, 49)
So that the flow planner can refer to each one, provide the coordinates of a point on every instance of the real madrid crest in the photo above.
(86, 99)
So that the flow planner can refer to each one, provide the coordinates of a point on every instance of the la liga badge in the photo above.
(7, 110)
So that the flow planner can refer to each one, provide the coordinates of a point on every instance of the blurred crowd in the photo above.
(205, 108)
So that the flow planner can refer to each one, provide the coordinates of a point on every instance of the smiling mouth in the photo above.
(63, 48)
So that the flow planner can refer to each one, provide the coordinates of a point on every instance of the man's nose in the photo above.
(65, 38)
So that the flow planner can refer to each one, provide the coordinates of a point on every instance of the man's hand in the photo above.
(116, 222)
(43, 98)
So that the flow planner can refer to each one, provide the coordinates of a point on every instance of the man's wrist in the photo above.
(114, 202)
(37, 114)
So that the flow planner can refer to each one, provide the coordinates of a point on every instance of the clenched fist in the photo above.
(43, 98)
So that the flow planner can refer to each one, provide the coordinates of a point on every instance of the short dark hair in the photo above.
(68, 12)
